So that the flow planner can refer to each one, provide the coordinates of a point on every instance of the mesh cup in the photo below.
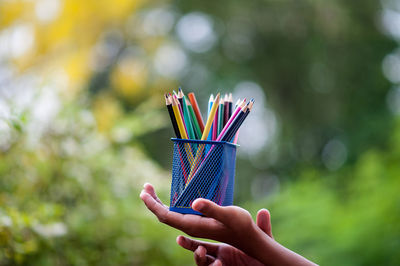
(202, 169)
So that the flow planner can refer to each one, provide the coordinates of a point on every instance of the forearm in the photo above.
(270, 252)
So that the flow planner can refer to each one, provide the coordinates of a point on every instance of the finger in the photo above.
(193, 225)
(264, 221)
(200, 256)
(160, 210)
(191, 244)
(150, 189)
(216, 263)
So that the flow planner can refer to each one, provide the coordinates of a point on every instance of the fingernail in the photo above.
(142, 194)
(199, 206)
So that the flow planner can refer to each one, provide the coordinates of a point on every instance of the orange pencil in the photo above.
(196, 109)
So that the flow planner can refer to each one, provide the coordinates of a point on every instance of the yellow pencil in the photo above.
(210, 118)
(182, 130)
(178, 118)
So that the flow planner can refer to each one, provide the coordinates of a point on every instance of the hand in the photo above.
(231, 225)
(222, 254)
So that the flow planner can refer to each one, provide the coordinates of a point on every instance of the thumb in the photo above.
(264, 221)
(211, 209)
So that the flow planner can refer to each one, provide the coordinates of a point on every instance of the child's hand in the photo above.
(222, 254)
(231, 225)
(216, 253)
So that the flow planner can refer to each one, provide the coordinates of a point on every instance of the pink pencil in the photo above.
(215, 125)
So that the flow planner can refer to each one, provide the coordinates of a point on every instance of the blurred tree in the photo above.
(319, 64)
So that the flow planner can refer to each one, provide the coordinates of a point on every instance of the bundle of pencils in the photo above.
(200, 172)
(222, 123)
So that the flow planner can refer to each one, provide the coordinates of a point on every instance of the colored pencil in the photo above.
(168, 102)
(237, 110)
(226, 109)
(180, 96)
(231, 131)
(215, 123)
(186, 115)
(196, 125)
(210, 119)
(196, 109)
(210, 104)
(221, 116)
(230, 100)
(180, 111)
(250, 106)
(178, 118)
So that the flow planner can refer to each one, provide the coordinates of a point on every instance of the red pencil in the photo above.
(196, 109)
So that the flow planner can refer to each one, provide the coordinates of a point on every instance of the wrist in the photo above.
(270, 252)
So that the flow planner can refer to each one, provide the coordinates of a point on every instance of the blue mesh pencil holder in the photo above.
(202, 169)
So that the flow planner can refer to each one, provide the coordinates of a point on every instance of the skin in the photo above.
(244, 241)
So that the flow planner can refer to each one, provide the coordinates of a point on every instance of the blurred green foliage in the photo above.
(345, 218)
(72, 198)
(69, 187)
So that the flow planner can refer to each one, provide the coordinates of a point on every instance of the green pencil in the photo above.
(196, 125)
(185, 110)
(220, 116)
